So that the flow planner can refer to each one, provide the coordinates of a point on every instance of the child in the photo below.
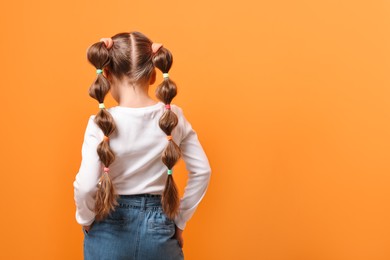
(125, 194)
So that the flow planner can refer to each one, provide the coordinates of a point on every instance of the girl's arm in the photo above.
(85, 184)
(199, 173)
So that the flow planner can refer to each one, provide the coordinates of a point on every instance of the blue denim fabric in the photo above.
(138, 229)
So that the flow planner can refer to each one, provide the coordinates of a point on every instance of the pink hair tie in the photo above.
(106, 169)
(108, 42)
(168, 106)
(156, 46)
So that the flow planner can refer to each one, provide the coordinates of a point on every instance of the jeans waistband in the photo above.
(142, 201)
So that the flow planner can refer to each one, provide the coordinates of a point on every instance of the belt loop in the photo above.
(143, 203)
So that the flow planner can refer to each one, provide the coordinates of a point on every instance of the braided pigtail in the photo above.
(165, 92)
(106, 197)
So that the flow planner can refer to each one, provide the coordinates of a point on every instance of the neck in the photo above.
(132, 94)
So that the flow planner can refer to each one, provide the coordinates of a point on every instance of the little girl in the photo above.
(125, 194)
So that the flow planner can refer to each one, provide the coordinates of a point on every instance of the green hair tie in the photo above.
(99, 71)
(169, 172)
(165, 75)
(101, 105)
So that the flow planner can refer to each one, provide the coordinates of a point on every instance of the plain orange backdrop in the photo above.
(290, 100)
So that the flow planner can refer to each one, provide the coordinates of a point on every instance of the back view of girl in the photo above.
(125, 194)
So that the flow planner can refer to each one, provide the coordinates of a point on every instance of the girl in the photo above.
(126, 198)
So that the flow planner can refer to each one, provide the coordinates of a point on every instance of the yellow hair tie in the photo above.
(101, 105)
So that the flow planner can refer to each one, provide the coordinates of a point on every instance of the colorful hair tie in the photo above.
(168, 106)
(156, 46)
(101, 105)
(169, 172)
(99, 71)
(106, 138)
(106, 169)
(169, 137)
(165, 75)
(108, 42)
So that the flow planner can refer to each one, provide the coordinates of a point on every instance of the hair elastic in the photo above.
(108, 42)
(101, 105)
(105, 138)
(169, 137)
(165, 75)
(99, 71)
(168, 106)
(156, 46)
(169, 172)
(106, 169)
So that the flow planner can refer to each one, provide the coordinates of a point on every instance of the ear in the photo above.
(152, 77)
(106, 73)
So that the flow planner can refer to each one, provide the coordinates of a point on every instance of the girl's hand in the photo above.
(87, 228)
(179, 236)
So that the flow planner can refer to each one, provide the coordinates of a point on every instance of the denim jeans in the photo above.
(138, 229)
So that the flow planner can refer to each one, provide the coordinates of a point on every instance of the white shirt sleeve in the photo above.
(85, 184)
(199, 173)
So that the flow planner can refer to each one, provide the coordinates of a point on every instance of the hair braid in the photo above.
(165, 92)
(106, 198)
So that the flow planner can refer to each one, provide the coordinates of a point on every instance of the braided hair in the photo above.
(98, 55)
(165, 92)
(131, 56)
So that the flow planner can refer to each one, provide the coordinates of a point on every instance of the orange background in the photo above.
(290, 100)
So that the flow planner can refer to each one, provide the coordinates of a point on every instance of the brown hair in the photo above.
(131, 56)
(165, 92)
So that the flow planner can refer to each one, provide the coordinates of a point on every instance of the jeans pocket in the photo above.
(162, 225)
(118, 216)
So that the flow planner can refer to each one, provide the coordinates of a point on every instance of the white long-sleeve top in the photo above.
(138, 144)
